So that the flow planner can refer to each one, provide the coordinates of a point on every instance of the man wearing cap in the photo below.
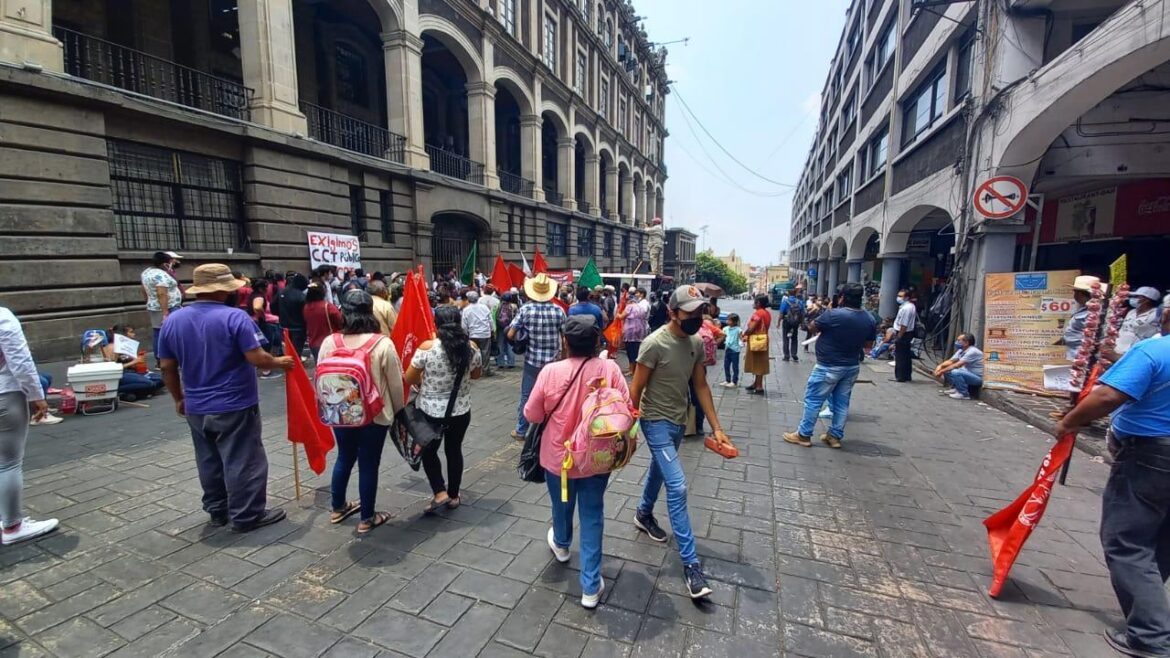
(160, 289)
(541, 321)
(1074, 327)
(1141, 322)
(669, 360)
(209, 352)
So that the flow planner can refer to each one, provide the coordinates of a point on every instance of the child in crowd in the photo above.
(733, 342)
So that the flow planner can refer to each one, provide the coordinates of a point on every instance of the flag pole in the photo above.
(296, 471)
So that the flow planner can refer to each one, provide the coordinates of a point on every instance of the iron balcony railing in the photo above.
(583, 206)
(554, 197)
(454, 165)
(352, 134)
(605, 214)
(515, 184)
(118, 66)
(621, 218)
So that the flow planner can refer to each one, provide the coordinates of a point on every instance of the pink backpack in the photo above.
(346, 393)
(606, 437)
(708, 336)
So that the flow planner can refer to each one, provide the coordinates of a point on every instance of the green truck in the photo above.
(777, 292)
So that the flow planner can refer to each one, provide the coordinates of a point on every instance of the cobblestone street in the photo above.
(874, 550)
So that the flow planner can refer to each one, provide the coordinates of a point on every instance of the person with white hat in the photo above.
(542, 321)
(161, 291)
(1074, 327)
(1141, 322)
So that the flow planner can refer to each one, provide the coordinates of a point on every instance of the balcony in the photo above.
(510, 182)
(554, 197)
(605, 214)
(584, 206)
(454, 165)
(135, 71)
(352, 134)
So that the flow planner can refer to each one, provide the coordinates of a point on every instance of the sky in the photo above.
(752, 75)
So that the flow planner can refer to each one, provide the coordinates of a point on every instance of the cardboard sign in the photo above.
(1023, 319)
(125, 346)
(342, 251)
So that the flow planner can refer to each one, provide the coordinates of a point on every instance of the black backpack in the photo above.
(795, 312)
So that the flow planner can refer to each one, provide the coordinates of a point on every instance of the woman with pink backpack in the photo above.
(561, 390)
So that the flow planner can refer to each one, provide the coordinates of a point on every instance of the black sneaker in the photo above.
(696, 581)
(217, 520)
(648, 525)
(269, 517)
(1120, 641)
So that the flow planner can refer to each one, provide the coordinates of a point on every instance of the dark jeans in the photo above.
(903, 364)
(632, 350)
(731, 365)
(790, 338)
(298, 338)
(700, 417)
(154, 349)
(453, 448)
(1135, 535)
(363, 446)
(134, 383)
(233, 468)
(528, 380)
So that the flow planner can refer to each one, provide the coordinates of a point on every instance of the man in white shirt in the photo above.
(1142, 322)
(905, 323)
(477, 322)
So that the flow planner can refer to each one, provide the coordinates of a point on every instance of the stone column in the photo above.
(891, 282)
(567, 176)
(530, 153)
(26, 34)
(269, 60)
(854, 274)
(834, 275)
(592, 189)
(481, 119)
(611, 191)
(823, 277)
(994, 251)
(402, 53)
(639, 203)
(627, 193)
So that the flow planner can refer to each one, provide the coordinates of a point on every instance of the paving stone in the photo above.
(21, 598)
(142, 622)
(79, 638)
(351, 648)
(60, 612)
(285, 635)
(128, 572)
(160, 640)
(808, 641)
(700, 614)
(222, 569)
(472, 632)
(486, 587)
(707, 643)
(614, 623)
(477, 557)
(423, 589)
(600, 647)
(356, 607)
(447, 608)
(281, 571)
(132, 602)
(401, 632)
(228, 632)
(561, 641)
(526, 622)
(204, 602)
(304, 598)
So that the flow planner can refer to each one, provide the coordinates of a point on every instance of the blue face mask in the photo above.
(901, 300)
(958, 345)
(1133, 302)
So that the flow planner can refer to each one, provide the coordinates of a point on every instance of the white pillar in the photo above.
(639, 203)
(834, 275)
(269, 60)
(26, 34)
(891, 282)
(823, 277)
(566, 176)
(592, 190)
(611, 191)
(854, 274)
(530, 153)
(481, 118)
(628, 198)
(404, 108)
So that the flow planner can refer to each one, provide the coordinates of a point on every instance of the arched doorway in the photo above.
(445, 113)
(451, 241)
(548, 159)
(509, 165)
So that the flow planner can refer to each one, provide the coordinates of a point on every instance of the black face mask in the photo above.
(691, 326)
(233, 299)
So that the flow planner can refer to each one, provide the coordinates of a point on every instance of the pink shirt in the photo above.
(550, 385)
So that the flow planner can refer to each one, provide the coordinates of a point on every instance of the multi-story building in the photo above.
(774, 274)
(225, 129)
(737, 264)
(678, 259)
(926, 101)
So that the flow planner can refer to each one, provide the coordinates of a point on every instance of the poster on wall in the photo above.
(337, 249)
(1086, 216)
(1024, 317)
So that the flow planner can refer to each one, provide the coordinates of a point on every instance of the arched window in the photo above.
(600, 17)
(609, 33)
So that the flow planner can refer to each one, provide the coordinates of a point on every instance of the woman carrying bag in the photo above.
(757, 362)
(441, 369)
(361, 444)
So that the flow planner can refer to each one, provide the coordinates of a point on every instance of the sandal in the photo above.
(349, 510)
(379, 518)
(436, 504)
(453, 503)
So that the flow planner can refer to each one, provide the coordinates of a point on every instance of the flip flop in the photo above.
(379, 518)
(351, 508)
(436, 504)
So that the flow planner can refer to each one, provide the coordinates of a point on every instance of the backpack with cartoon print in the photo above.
(346, 393)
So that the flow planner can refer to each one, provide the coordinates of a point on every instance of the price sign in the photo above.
(1056, 305)
(95, 389)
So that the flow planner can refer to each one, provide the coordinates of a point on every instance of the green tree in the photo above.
(710, 269)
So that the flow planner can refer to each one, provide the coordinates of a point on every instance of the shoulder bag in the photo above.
(758, 342)
(528, 467)
(414, 430)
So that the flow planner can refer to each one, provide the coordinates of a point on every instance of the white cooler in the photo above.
(96, 386)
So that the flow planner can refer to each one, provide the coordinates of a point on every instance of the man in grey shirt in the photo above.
(963, 370)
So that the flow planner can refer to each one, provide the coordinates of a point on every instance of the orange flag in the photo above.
(1010, 527)
(613, 333)
(416, 321)
(538, 264)
(304, 424)
(500, 277)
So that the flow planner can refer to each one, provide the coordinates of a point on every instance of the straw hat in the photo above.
(540, 288)
(214, 277)
(1085, 283)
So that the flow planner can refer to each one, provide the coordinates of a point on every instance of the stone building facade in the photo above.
(227, 129)
(679, 255)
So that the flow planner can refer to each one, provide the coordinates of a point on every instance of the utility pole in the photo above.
(703, 230)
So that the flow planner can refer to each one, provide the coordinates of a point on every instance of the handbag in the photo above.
(528, 466)
(758, 343)
(413, 431)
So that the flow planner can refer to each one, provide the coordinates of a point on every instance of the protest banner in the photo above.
(337, 249)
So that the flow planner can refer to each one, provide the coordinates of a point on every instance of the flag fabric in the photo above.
(527, 270)
(516, 275)
(538, 264)
(501, 280)
(416, 322)
(561, 303)
(590, 277)
(467, 276)
(613, 333)
(1010, 527)
(304, 424)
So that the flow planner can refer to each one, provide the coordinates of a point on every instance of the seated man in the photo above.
(886, 344)
(963, 370)
(97, 347)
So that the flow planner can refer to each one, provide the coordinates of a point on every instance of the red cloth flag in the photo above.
(1010, 527)
(501, 280)
(559, 302)
(516, 275)
(538, 264)
(416, 321)
(304, 424)
(613, 333)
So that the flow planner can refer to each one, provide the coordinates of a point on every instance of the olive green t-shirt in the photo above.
(673, 361)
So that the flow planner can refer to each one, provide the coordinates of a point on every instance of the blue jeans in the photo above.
(363, 446)
(880, 349)
(731, 366)
(663, 439)
(963, 379)
(832, 383)
(588, 496)
(46, 382)
(504, 356)
(526, 384)
(135, 383)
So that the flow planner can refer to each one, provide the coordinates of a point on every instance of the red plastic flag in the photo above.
(501, 280)
(516, 275)
(416, 321)
(538, 264)
(304, 424)
(559, 302)
(1010, 527)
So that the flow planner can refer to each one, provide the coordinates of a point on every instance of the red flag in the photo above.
(416, 321)
(304, 425)
(516, 275)
(613, 333)
(559, 302)
(1010, 527)
(501, 280)
(538, 264)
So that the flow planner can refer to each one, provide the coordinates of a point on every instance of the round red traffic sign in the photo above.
(1000, 197)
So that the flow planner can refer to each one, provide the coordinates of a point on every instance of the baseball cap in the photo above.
(581, 328)
(472, 296)
(1149, 293)
(172, 254)
(686, 298)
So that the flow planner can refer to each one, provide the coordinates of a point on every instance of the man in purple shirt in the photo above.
(209, 352)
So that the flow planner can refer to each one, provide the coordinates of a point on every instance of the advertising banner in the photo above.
(1024, 318)
(342, 251)
(1086, 216)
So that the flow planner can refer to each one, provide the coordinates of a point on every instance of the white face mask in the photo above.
(901, 300)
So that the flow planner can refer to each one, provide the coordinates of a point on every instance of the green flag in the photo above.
(590, 278)
(467, 276)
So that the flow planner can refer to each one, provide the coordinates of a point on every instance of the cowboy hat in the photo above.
(540, 288)
(1085, 283)
(214, 277)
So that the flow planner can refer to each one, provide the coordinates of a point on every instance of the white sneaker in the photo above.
(28, 529)
(958, 396)
(590, 601)
(893, 364)
(561, 554)
(947, 391)
(825, 413)
(49, 419)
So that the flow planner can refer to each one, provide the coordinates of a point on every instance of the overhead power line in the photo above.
(722, 176)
